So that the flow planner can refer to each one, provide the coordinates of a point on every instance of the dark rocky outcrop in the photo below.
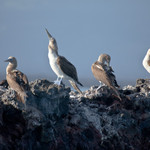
(4, 83)
(57, 119)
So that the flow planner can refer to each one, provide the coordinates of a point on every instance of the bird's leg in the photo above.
(101, 84)
(58, 81)
(98, 88)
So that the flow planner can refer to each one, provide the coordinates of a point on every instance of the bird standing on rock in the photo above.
(17, 81)
(103, 72)
(61, 66)
(105, 59)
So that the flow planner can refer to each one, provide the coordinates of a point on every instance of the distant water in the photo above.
(82, 89)
(87, 83)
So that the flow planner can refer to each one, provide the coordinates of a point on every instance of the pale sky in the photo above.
(83, 30)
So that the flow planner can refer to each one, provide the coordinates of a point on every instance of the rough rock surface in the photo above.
(57, 119)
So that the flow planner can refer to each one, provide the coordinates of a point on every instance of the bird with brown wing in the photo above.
(17, 81)
(103, 72)
(61, 66)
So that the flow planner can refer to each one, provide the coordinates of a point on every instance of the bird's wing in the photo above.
(110, 68)
(19, 78)
(67, 67)
(101, 74)
(112, 76)
(13, 83)
(16, 84)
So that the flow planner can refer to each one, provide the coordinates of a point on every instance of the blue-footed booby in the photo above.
(61, 66)
(17, 81)
(103, 72)
(105, 59)
(146, 61)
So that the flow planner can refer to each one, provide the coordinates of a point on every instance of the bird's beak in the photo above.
(6, 60)
(49, 35)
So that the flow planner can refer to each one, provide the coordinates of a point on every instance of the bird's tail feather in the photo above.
(79, 83)
(22, 97)
(74, 85)
(117, 93)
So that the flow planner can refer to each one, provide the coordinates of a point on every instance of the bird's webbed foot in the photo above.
(58, 81)
(101, 85)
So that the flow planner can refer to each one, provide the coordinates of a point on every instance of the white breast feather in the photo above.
(53, 63)
(145, 64)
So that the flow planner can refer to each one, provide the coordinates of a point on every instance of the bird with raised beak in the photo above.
(61, 66)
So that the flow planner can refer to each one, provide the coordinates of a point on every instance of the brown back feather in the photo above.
(21, 79)
(67, 67)
(105, 76)
(112, 76)
(18, 82)
(100, 74)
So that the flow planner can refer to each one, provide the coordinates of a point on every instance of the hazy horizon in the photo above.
(87, 82)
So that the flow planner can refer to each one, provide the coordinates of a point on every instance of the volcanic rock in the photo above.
(57, 119)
